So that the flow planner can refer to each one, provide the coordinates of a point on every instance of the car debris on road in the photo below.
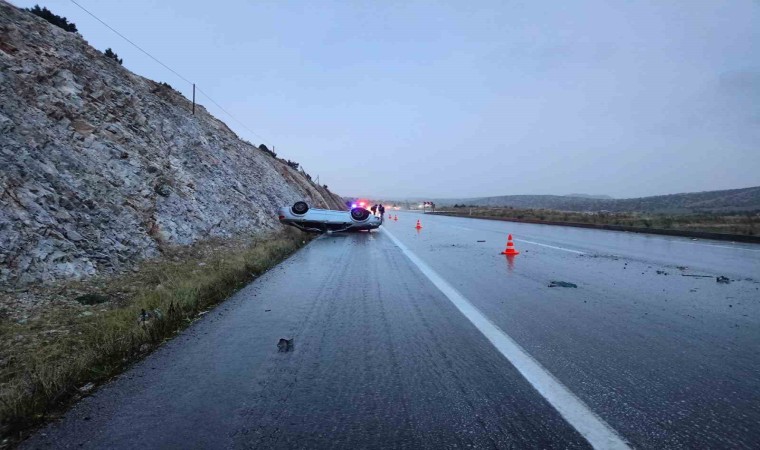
(286, 345)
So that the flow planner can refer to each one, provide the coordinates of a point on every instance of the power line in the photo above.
(171, 70)
(233, 117)
(133, 44)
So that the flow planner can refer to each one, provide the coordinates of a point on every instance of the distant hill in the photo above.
(604, 197)
(731, 200)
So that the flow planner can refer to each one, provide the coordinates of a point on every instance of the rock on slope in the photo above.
(99, 167)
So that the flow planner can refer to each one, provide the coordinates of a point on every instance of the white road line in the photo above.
(527, 242)
(675, 241)
(571, 408)
(714, 245)
(551, 246)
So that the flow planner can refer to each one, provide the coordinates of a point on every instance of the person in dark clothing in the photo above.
(374, 209)
(381, 209)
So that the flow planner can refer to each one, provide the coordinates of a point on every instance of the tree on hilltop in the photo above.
(55, 19)
(111, 54)
(266, 149)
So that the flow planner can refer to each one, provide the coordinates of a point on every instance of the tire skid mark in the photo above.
(275, 371)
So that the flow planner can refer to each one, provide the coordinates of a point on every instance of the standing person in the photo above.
(374, 210)
(381, 209)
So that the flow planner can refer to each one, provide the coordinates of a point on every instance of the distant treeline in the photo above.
(732, 200)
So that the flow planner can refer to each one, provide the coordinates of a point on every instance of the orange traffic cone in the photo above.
(396, 218)
(510, 250)
(419, 225)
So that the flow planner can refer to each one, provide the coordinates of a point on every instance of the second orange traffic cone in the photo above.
(510, 250)
(395, 218)
(419, 225)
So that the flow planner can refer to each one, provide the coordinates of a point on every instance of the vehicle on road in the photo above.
(316, 220)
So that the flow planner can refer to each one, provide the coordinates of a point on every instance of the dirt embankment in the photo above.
(102, 168)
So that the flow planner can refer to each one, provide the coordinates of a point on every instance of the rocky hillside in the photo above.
(100, 167)
(732, 200)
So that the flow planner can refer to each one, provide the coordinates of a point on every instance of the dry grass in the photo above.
(45, 360)
(747, 224)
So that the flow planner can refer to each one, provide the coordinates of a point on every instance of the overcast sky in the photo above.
(468, 98)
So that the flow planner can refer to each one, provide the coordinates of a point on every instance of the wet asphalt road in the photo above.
(384, 359)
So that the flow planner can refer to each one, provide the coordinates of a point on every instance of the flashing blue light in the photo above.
(353, 205)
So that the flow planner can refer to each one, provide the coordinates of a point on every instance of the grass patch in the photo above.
(747, 224)
(86, 332)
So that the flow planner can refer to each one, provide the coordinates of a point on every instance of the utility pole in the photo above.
(193, 98)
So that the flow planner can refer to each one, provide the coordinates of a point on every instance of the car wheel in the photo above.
(359, 214)
(299, 208)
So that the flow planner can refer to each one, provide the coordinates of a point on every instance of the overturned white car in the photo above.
(327, 220)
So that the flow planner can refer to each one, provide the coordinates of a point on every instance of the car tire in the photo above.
(359, 215)
(299, 208)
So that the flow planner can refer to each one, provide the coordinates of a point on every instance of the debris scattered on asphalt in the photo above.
(696, 276)
(267, 310)
(562, 284)
(661, 272)
(681, 267)
(482, 241)
(722, 279)
(286, 345)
